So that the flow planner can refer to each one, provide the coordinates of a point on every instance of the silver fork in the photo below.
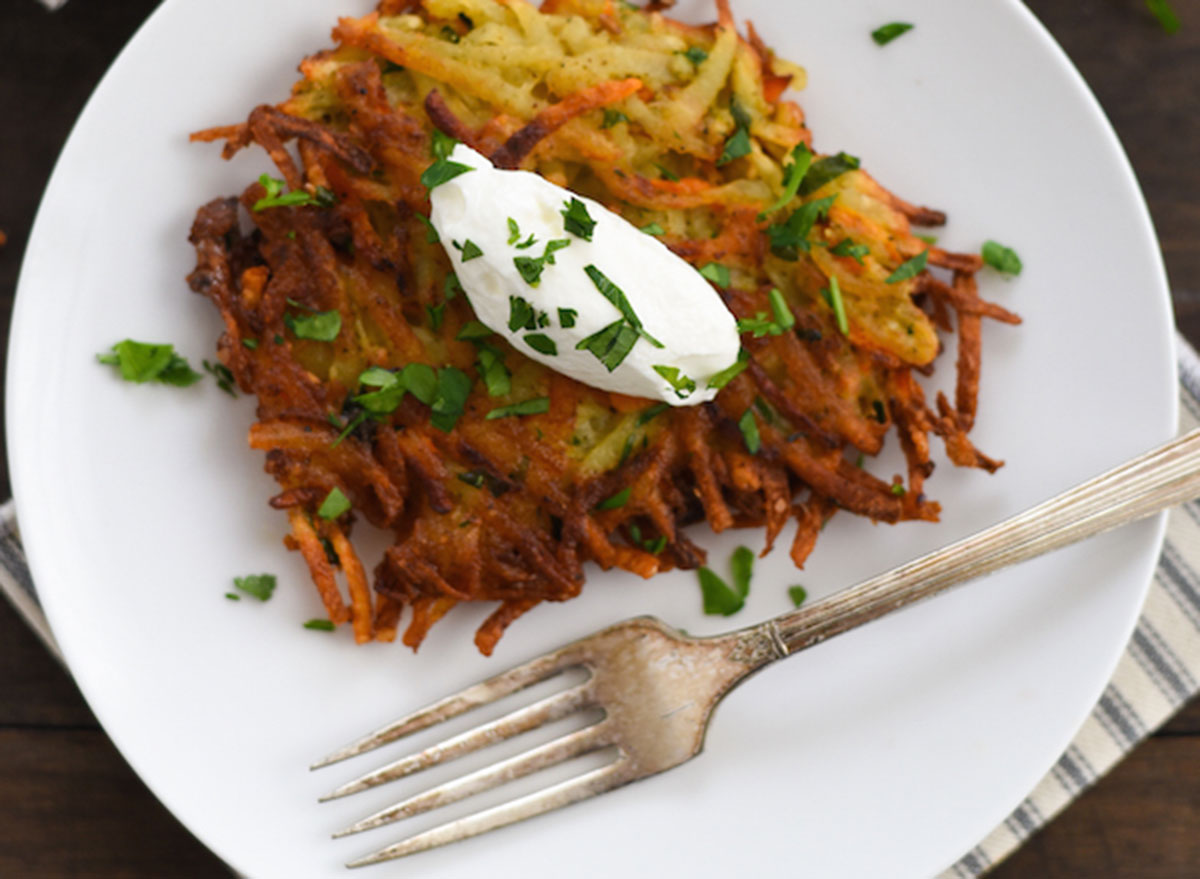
(657, 687)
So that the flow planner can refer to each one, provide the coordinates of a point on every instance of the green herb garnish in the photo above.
(617, 500)
(616, 296)
(442, 145)
(725, 376)
(222, 375)
(541, 343)
(790, 237)
(741, 566)
(536, 406)
(431, 234)
(612, 344)
(435, 313)
(442, 171)
(514, 231)
(1001, 258)
(825, 169)
(719, 599)
(736, 146)
(833, 295)
(783, 315)
(252, 344)
(667, 173)
(472, 331)
(334, 505)
(846, 247)
(650, 413)
(695, 54)
(277, 198)
(1168, 19)
(749, 428)
(469, 250)
(682, 385)
(320, 326)
(909, 268)
(259, 586)
(453, 388)
(888, 32)
(577, 220)
(144, 361)
(793, 176)
(798, 594)
(654, 229)
(319, 625)
(566, 317)
(716, 273)
(494, 373)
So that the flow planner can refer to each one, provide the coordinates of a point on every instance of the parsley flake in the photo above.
(319, 625)
(798, 594)
(514, 231)
(617, 501)
(473, 330)
(725, 376)
(566, 317)
(793, 176)
(616, 296)
(695, 54)
(833, 295)
(613, 117)
(749, 428)
(494, 373)
(888, 32)
(1002, 259)
(846, 247)
(334, 505)
(442, 171)
(277, 198)
(612, 344)
(716, 273)
(536, 406)
(719, 599)
(142, 362)
(320, 326)
(453, 388)
(909, 268)
(1168, 19)
(736, 146)
(222, 375)
(469, 250)
(431, 234)
(825, 169)
(442, 145)
(654, 229)
(790, 237)
(258, 586)
(741, 567)
(541, 343)
(682, 385)
(783, 315)
(577, 220)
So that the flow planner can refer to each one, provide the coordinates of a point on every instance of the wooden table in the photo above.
(70, 807)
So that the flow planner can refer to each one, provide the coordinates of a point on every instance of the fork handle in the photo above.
(1163, 477)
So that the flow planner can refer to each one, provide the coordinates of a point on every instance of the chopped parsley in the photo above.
(783, 315)
(737, 146)
(541, 343)
(421, 381)
(521, 314)
(719, 599)
(435, 313)
(259, 586)
(888, 32)
(442, 171)
(616, 296)
(494, 373)
(528, 242)
(431, 234)
(833, 295)
(825, 169)
(729, 373)
(1162, 10)
(442, 145)
(654, 229)
(320, 326)
(566, 317)
(536, 406)
(233, 596)
(909, 268)
(898, 489)
(453, 388)
(252, 344)
(741, 567)
(472, 331)
(1002, 259)
(144, 361)
(531, 267)
(617, 500)
(613, 117)
(716, 273)
(577, 220)
(612, 344)
(277, 198)
(319, 625)
(793, 176)
(335, 504)
(469, 250)
(222, 375)
(451, 286)
(682, 385)
(667, 173)
(846, 247)
(514, 231)
(695, 54)
(749, 428)
(798, 594)
(790, 237)
(650, 413)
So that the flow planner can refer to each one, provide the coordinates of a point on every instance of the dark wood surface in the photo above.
(70, 807)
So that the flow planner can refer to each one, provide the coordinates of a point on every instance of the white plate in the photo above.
(888, 752)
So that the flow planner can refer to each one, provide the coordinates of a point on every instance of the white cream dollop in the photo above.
(674, 303)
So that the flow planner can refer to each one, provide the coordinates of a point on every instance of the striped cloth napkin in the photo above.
(1158, 673)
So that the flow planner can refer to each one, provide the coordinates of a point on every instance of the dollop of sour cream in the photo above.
(482, 216)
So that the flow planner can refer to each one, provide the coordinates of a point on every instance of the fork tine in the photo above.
(574, 790)
(522, 720)
(482, 693)
(575, 744)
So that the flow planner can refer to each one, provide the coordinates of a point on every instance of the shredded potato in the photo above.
(643, 114)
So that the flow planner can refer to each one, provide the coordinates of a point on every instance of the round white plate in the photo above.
(888, 752)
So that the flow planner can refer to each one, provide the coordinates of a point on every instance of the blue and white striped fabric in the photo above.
(1159, 672)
